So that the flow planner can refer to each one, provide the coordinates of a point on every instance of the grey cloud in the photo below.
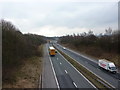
(84, 15)
(96, 17)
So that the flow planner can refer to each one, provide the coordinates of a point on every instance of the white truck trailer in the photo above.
(107, 65)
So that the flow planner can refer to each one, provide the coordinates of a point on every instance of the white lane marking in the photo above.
(92, 72)
(66, 71)
(81, 55)
(98, 69)
(60, 63)
(78, 71)
(75, 84)
(57, 58)
(54, 72)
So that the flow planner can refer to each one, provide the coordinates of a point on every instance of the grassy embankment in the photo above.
(89, 75)
(96, 53)
(100, 46)
(21, 57)
(28, 74)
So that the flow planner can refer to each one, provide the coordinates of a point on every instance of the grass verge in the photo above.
(89, 75)
(28, 75)
(91, 52)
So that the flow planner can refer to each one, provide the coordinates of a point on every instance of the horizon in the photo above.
(52, 19)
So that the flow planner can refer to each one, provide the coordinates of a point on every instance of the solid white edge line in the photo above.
(92, 72)
(78, 71)
(54, 72)
(87, 68)
(75, 84)
(80, 55)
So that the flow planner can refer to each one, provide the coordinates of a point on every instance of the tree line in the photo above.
(16, 46)
(109, 41)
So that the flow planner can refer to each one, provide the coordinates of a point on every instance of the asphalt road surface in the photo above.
(112, 79)
(59, 73)
(48, 78)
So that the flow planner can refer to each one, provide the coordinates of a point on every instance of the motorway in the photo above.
(47, 79)
(59, 73)
(112, 79)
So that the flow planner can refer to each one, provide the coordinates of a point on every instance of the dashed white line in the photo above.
(75, 84)
(60, 63)
(57, 58)
(66, 71)
(90, 71)
(78, 71)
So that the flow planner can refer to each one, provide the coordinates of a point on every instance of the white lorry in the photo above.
(107, 65)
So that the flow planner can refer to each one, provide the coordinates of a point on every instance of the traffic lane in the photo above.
(93, 60)
(108, 77)
(63, 79)
(81, 58)
(77, 56)
(95, 66)
(77, 78)
(47, 73)
(84, 57)
(116, 76)
(102, 73)
(80, 81)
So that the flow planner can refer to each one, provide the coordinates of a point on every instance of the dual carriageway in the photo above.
(59, 73)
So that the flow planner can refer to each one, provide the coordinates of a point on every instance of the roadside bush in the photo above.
(15, 47)
(108, 43)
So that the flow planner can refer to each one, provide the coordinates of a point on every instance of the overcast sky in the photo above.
(60, 17)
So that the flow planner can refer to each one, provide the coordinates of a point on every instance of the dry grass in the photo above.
(96, 53)
(28, 75)
(89, 75)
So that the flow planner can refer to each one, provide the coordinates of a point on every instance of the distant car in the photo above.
(64, 48)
